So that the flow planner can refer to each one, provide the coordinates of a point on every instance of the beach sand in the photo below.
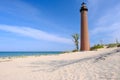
(103, 64)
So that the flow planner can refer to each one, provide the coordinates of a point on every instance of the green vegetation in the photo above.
(98, 46)
(112, 45)
(118, 45)
(75, 50)
(76, 42)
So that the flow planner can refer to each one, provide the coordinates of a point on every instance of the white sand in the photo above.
(91, 65)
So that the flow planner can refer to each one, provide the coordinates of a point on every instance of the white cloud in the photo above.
(108, 25)
(19, 8)
(34, 33)
(93, 2)
(101, 29)
(111, 16)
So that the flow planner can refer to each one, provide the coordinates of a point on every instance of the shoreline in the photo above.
(82, 54)
(52, 54)
(85, 65)
(32, 53)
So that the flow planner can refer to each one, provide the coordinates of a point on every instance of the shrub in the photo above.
(111, 45)
(75, 50)
(118, 45)
(98, 46)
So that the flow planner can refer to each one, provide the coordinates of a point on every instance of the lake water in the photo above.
(12, 54)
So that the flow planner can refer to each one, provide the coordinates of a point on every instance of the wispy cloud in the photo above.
(92, 3)
(106, 29)
(35, 33)
(108, 25)
(19, 8)
(25, 13)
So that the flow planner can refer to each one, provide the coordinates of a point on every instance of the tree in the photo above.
(75, 39)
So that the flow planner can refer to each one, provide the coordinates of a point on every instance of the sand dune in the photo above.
(103, 64)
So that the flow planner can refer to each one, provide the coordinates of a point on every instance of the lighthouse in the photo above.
(85, 45)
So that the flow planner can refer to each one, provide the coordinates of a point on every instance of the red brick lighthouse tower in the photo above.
(85, 46)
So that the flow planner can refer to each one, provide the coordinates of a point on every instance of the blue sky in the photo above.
(47, 25)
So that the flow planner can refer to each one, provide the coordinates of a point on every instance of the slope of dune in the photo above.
(103, 64)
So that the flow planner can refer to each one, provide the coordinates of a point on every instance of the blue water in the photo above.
(13, 54)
